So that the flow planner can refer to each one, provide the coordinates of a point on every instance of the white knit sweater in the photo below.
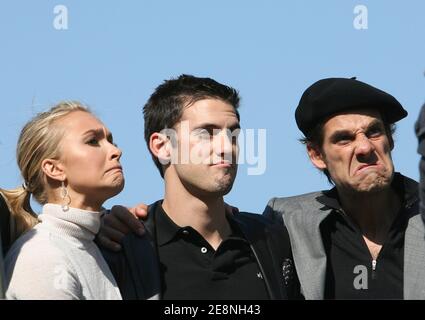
(58, 259)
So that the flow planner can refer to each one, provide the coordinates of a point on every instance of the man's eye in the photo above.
(342, 140)
(236, 133)
(203, 133)
(374, 132)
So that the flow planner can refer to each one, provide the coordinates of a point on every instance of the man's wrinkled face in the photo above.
(356, 151)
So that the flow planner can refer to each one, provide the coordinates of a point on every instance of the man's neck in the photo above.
(206, 215)
(374, 212)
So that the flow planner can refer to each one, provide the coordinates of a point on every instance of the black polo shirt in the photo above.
(192, 269)
(350, 272)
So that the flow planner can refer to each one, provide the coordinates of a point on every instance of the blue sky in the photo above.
(112, 56)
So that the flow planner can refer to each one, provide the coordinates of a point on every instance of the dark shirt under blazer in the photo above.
(304, 215)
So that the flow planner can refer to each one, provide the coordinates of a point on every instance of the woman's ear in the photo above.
(53, 169)
(316, 156)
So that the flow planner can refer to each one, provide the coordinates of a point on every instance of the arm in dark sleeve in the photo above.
(135, 268)
(272, 214)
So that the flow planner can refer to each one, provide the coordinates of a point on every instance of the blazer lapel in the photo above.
(303, 224)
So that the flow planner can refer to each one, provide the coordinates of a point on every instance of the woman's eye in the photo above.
(112, 142)
(93, 142)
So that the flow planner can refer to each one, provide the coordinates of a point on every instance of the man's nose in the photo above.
(364, 146)
(223, 142)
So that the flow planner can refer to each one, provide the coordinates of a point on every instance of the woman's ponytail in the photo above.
(22, 217)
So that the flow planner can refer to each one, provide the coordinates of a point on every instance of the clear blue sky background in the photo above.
(113, 55)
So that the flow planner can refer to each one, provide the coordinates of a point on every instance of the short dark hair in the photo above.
(315, 136)
(166, 104)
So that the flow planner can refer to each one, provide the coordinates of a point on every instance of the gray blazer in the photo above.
(302, 216)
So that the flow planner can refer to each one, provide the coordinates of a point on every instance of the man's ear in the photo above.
(316, 156)
(53, 169)
(160, 147)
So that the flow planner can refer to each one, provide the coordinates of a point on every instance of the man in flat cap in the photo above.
(364, 238)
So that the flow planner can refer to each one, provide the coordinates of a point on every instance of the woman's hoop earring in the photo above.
(66, 199)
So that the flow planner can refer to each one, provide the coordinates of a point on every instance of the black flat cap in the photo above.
(334, 95)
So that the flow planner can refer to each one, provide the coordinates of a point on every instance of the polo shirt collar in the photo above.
(170, 230)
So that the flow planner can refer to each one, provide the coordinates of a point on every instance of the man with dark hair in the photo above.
(203, 251)
(166, 105)
(363, 239)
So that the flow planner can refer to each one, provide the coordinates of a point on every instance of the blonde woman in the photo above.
(71, 166)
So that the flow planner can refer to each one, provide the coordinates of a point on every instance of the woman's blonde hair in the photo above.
(39, 139)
